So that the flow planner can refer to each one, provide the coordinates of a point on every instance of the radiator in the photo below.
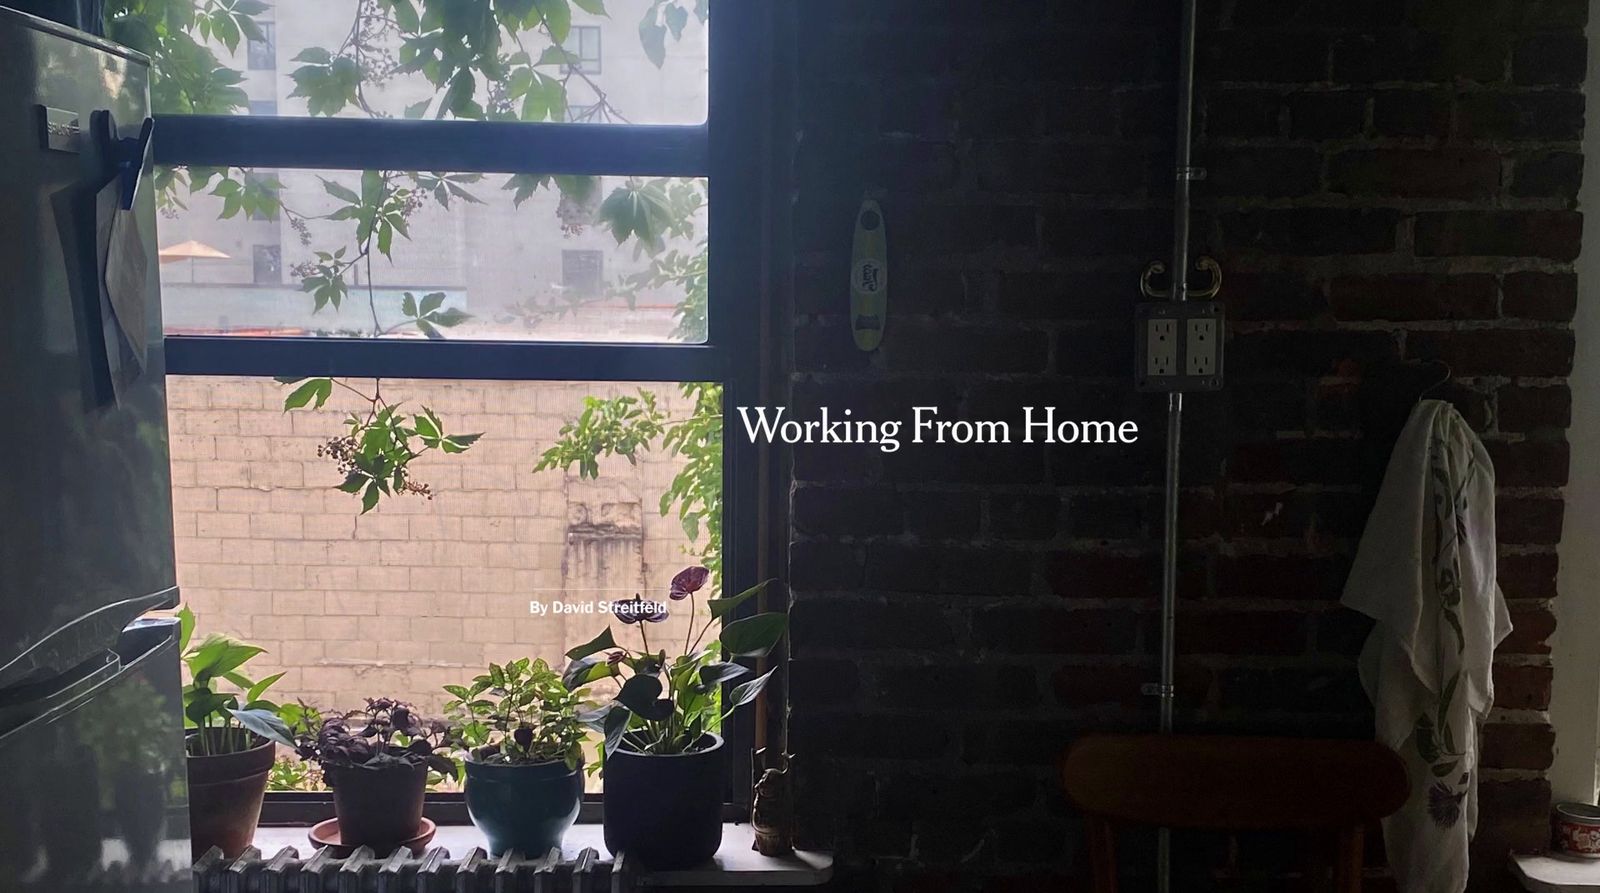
(432, 872)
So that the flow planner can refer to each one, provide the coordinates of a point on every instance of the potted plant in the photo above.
(663, 761)
(522, 736)
(231, 739)
(376, 760)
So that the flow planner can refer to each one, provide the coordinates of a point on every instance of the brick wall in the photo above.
(1388, 181)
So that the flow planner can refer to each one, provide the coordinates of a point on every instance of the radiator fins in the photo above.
(402, 872)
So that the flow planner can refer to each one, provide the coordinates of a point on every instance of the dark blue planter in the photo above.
(665, 812)
(526, 808)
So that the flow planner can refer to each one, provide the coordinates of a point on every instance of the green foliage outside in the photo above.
(493, 60)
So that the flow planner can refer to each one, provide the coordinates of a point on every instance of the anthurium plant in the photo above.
(666, 705)
(519, 713)
(385, 734)
(221, 721)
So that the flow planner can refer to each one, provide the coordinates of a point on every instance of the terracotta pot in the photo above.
(379, 808)
(225, 793)
(666, 811)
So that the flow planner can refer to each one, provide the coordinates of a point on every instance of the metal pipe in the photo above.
(1184, 172)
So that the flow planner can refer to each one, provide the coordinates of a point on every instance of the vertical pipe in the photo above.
(1182, 172)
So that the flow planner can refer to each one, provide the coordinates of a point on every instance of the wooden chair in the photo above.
(1215, 783)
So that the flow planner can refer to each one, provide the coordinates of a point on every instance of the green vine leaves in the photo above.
(376, 452)
(488, 60)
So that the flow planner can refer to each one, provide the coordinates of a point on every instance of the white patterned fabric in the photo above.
(1425, 571)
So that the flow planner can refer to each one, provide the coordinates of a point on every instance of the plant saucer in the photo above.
(326, 834)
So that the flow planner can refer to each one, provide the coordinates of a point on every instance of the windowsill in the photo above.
(735, 865)
(1557, 874)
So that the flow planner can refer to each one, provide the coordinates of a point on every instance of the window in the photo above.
(262, 55)
(264, 107)
(404, 598)
(499, 268)
(582, 272)
(503, 264)
(584, 47)
(348, 60)
(268, 264)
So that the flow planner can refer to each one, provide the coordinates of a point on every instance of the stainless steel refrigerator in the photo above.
(92, 786)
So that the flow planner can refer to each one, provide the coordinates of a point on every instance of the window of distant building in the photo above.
(262, 54)
(584, 45)
(267, 262)
(583, 272)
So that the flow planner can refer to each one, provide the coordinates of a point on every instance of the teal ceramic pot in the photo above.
(527, 808)
(666, 811)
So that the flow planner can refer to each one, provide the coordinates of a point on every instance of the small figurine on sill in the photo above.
(772, 812)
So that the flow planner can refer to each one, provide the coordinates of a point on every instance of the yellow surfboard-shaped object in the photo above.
(869, 277)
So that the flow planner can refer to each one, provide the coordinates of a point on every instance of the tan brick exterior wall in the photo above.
(417, 593)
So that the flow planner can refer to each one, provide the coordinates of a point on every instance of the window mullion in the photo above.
(465, 146)
(409, 358)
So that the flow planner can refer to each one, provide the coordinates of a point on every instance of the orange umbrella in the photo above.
(189, 251)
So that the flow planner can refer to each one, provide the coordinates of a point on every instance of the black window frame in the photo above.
(730, 150)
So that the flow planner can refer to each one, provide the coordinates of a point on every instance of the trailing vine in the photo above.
(503, 60)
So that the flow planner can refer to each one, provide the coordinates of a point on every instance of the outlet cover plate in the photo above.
(1178, 346)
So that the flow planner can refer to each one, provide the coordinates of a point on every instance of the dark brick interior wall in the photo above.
(1389, 180)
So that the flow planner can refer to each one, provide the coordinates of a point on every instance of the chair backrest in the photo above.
(1234, 784)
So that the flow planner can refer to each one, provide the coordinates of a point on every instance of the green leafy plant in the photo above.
(628, 425)
(666, 705)
(376, 452)
(519, 713)
(289, 774)
(225, 722)
(187, 76)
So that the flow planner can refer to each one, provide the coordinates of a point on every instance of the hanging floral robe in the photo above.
(1425, 571)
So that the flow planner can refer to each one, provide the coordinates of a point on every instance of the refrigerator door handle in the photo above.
(20, 705)
(128, 154)
(28, 705)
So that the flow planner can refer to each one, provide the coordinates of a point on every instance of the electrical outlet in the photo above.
(1178, 346)
(1200, 353)
(1161, 347)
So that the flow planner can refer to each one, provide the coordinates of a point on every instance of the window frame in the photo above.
(729, 150)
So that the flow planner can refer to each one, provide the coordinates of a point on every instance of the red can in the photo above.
(1576, 829)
